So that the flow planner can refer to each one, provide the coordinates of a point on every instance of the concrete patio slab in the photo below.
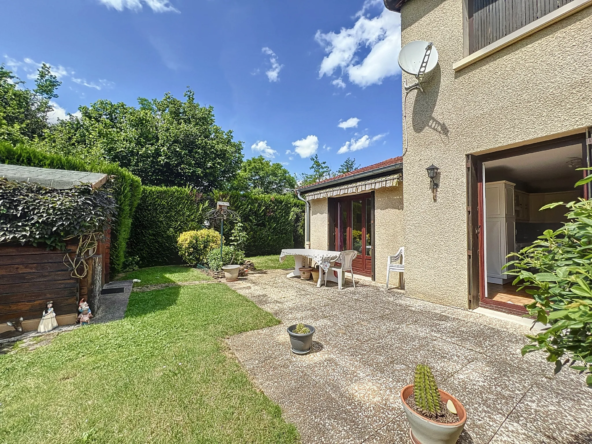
(367, 344)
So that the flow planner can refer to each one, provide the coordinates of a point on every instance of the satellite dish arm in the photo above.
(422, 69)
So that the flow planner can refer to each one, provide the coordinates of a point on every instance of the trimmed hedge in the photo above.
(161, 216)
(127, 189)
(271, 221)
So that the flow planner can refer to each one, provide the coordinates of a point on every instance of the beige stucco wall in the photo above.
(389, 230)
(535, 89)
(319, 224)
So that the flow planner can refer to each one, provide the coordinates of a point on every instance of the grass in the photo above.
(165, 275)
(160, 375)
(272, 262)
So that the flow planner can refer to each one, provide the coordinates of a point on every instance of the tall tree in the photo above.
(24, 112)
(259, 174)
(348, 166)
(167, 142)
(320, 171)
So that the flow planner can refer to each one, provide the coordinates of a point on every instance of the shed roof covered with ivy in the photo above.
(60, 179)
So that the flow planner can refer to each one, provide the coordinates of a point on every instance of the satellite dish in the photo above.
(418, 58)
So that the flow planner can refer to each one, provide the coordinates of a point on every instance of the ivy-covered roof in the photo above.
(60, 179)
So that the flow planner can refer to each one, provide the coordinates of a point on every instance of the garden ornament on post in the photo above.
(221, 213)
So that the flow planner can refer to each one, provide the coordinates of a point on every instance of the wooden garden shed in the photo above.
(32, 275)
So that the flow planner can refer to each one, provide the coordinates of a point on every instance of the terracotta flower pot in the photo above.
(305, 273)
(315, 274)
(427, 431)
(231, 272)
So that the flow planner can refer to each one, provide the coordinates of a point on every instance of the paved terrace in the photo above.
(367, 344)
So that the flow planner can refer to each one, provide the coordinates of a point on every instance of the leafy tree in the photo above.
(348, 166)
(166, 142)
(23, 112)
(557, 271)
(259, 174)
(320, 171)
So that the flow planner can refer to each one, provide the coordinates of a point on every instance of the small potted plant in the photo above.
(315, 273)
(301, 338)
(305, 273)
(436, 417)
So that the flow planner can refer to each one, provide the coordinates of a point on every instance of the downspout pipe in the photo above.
(306, 218)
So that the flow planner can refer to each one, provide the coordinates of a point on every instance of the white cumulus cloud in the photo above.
(339, 83)
(352, 122)
(306, 147)
(59, 113)
(367, 52)
(264, 149)
(273, 74)
(137, 5)
(359, 144)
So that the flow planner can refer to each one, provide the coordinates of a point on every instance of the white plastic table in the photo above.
(321, 257)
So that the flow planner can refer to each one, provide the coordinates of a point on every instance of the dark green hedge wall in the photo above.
(127, 189)
(162, 215)
(272, 221)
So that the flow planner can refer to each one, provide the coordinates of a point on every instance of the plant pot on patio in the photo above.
(301, 342)
(231, 272)
(305, 273)
(315, 274)
(435, 416)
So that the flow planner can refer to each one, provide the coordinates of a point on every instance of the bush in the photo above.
(162, 215)
(126, 190)
(230, 256)
(271, 221)
(557, 271)
(194, 246)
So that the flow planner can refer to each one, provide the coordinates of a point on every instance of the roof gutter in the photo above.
(352, 178)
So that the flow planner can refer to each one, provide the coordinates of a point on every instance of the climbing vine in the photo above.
(33, 214)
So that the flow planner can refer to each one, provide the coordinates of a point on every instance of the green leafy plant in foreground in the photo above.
(230, 255)
(301, 329)
(425, 390)
(557, 271)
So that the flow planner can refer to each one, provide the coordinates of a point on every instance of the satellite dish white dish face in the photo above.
(412, 55)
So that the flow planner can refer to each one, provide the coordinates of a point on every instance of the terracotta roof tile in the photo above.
(376, 166)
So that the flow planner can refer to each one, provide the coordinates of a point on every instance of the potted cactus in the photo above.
(301, 338)
(436, 417)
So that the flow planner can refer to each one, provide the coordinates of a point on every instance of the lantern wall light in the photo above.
(432, 174)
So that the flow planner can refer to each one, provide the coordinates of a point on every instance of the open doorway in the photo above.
(511, 188)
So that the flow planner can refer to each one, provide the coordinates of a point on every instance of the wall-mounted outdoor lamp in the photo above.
(432, 173)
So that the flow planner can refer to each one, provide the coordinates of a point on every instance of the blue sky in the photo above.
(291, 79)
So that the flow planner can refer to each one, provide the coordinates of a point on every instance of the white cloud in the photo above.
(264, 149)
(273, 74)
(98, 86)
(379, 38)
(359, 144)
(59, 113)
(291, 158)
(306, 147)
(352, 122)
(339, 83)
(137, 5)
(285, 163)
(288, 152)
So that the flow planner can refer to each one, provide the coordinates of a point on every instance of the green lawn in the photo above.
(160, 375)
(165, 275)
(272, 262)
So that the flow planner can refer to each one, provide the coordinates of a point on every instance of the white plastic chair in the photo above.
(395, 265)
(346, 259)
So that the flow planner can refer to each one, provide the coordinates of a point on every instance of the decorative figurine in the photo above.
(85, 312)
(48, 321)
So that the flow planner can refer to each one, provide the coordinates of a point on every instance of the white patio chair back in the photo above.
(346, 259)
(395, 263)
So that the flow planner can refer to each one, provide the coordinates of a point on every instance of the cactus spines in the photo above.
(427, 396)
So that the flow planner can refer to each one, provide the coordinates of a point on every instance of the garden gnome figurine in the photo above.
(48, 321)
(85, 313)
